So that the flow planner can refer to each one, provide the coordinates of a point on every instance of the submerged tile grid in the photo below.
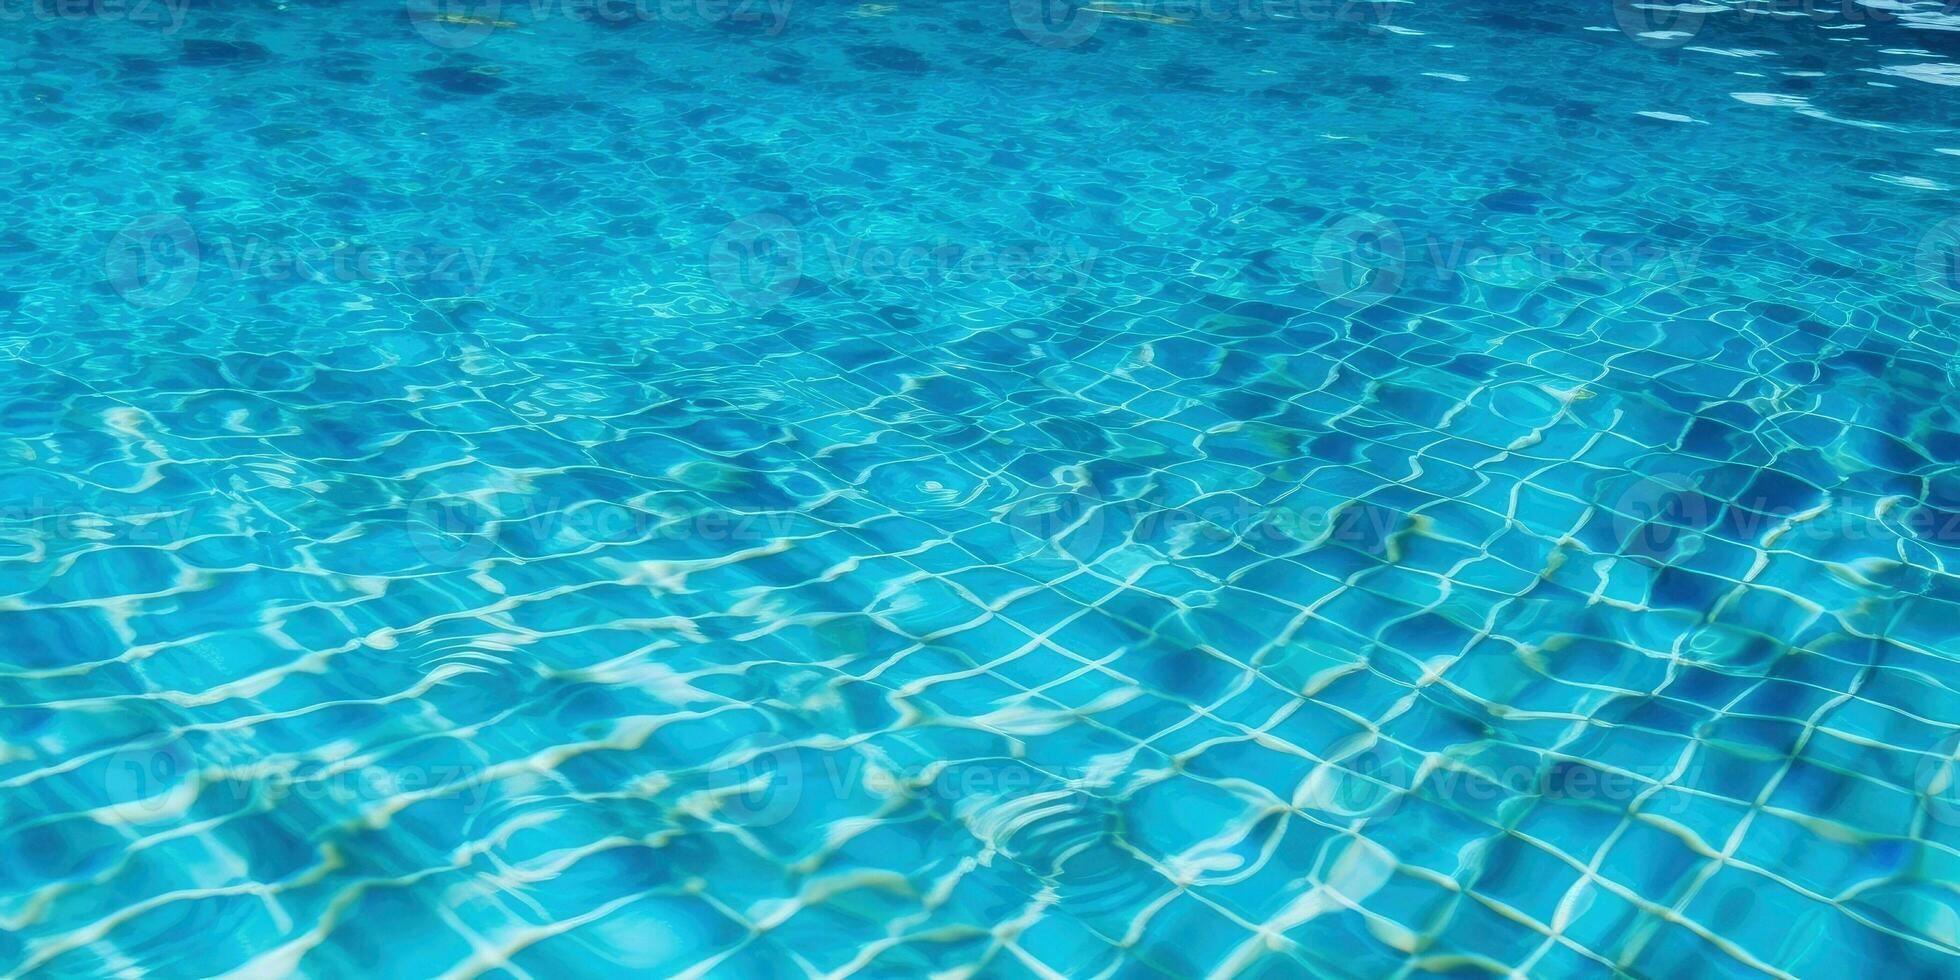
(1175, 617)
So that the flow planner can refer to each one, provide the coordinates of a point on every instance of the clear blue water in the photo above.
(744, 490)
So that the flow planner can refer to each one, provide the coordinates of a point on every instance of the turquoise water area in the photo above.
(969, 488)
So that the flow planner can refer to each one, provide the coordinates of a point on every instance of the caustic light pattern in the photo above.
(979, 487)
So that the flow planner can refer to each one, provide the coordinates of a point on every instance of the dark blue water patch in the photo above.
(211, 53)
(1775, 492)
(42, 638)
(456, 80)
(348, 68)
(891, 58)
(1514, 201)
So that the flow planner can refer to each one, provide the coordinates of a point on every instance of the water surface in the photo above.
(732, 489)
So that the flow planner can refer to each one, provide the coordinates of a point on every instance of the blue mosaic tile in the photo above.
(979, 487)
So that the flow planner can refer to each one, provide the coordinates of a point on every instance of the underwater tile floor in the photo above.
(979, 487)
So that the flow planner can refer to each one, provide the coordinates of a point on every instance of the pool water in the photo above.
(778, 487)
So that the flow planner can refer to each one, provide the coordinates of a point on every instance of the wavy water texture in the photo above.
(817, 489)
